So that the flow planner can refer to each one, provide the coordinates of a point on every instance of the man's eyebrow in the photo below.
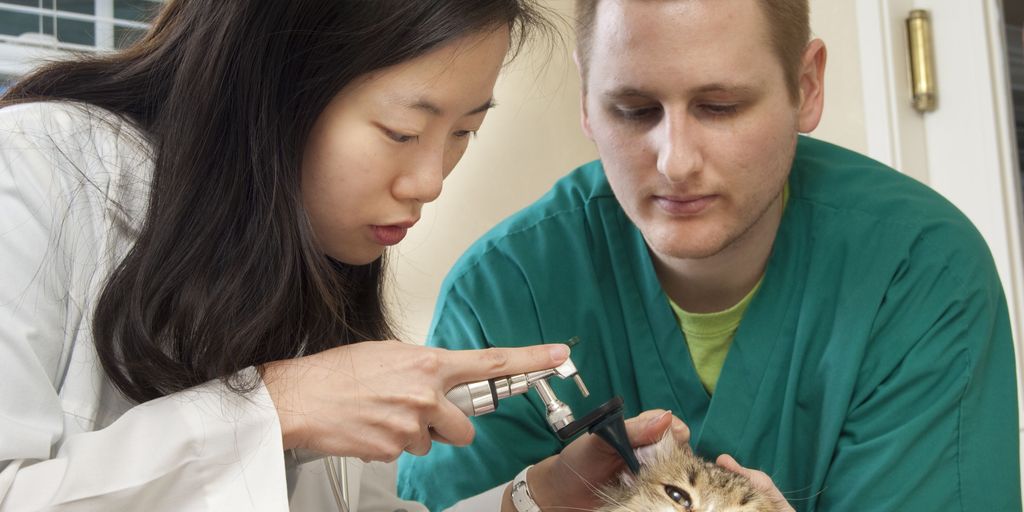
(432, 109)
(633, 92)
(725, 87)
(626, 92)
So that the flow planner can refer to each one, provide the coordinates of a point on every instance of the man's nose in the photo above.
(679, 150)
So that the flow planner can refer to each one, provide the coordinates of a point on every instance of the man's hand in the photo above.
(760, 480)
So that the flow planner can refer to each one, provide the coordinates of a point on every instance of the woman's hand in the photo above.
(372, 400)
(570, 478)
(760, 480)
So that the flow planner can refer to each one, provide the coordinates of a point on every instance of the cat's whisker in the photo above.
(815, 495)
(595, 489)
(554, 507)
(802, 489)
(796, 491)
(612, 501)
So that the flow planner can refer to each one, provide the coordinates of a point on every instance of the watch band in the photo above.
(521, 497)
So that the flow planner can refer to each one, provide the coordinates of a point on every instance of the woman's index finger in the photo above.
(472, 365)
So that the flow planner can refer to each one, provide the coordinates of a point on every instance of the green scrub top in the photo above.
(874, 369)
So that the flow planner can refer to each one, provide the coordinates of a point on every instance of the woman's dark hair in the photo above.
(226, 272)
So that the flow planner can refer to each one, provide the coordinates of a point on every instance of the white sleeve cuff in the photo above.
(239, 441)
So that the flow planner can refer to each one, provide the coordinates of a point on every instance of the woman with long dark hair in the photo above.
(192, 237)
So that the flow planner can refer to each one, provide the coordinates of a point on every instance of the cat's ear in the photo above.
(660, 451)
(647, 455)
(652, 454)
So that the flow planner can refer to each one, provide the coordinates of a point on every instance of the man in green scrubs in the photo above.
(804, 309)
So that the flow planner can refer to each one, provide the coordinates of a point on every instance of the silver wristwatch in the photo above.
(521, 497)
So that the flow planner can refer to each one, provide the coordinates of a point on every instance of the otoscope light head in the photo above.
(607, 423)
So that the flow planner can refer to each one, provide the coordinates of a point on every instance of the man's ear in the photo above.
(812, 85)
(584, 117)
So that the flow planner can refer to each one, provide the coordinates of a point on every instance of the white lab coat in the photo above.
(73, 186)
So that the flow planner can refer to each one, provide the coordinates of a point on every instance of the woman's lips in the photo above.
(388, 235)
(391, 234)
(692, 205)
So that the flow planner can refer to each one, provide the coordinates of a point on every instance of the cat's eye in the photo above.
(679, 496)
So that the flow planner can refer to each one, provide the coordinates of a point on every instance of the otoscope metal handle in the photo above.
(474, 398)
(481, 397)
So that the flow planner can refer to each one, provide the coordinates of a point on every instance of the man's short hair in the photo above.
(789, 29)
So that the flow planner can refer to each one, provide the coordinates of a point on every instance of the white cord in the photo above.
(339, 483)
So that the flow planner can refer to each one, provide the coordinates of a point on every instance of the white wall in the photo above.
(835, 22)
(533, 138)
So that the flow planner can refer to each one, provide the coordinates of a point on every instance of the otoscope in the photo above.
(481, 397)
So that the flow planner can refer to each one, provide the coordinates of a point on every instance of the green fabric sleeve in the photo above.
(937, 428)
